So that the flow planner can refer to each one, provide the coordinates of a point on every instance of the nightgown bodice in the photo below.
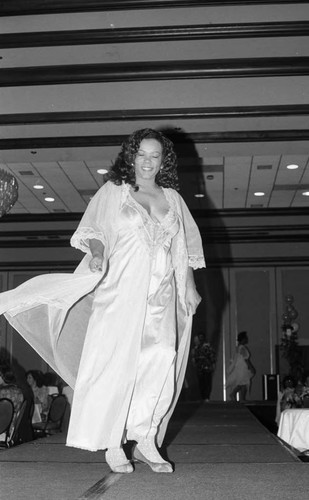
(155, 235)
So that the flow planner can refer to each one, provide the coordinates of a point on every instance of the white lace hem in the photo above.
(196, 261)
(80, 238)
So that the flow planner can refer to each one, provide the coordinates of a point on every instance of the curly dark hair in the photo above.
(5, 368)
(37, 375)
(241, 336)
(123, 168)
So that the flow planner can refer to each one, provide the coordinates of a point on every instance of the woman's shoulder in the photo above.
(173, 194)
(109, 185)
(108, 188)
(172, 191)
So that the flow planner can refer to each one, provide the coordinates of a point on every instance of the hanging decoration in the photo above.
(8, 191)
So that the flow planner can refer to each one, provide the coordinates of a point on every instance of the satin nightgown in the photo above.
(143, 245)
(120, 338)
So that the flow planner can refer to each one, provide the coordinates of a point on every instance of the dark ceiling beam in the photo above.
(154, 114)
(211, 237)
(154, 70)
(153, 34)
(177, 137)
(199, 214)
(33, 7)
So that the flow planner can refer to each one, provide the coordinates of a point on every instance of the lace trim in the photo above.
(196, 261)
(125, 189)
(152, 233)
(81, 236)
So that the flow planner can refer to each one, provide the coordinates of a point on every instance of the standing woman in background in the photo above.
(121, 325)
(241, 370)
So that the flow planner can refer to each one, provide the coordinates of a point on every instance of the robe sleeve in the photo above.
(92, 224)
(193, 238)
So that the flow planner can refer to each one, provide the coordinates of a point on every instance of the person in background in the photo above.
(289, 396)
(51, 381)
(305, 390)
(9, 390)
(35, 380)
(241, 370)
(204, 360)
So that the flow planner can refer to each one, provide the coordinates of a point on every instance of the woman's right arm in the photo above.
(97, 252)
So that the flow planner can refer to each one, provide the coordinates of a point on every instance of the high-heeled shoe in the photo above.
(145, 451)
(117, 461)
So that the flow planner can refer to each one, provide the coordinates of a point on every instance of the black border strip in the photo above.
(32, 7)
(153, 34)
(154, 70)
(117, 140)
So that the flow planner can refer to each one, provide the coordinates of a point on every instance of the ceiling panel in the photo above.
(225, 168)
(236, 178)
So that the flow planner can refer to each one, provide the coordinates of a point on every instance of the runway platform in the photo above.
(220, 451)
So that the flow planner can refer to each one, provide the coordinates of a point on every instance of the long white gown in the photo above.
(238, 372)
(120, 337)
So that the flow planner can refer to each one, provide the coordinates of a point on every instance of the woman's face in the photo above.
(30, 380)
(148, 159)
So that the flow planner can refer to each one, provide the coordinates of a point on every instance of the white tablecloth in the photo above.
(294, 428)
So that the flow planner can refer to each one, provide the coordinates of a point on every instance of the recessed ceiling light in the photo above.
(305, 193)
(199, 195)
(49, 198)
(293, 166)
(102, 171)
(259, 193)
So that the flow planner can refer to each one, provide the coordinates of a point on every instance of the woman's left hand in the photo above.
(192, 299)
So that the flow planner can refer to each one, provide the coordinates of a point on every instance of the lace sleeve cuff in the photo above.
(196, 261)
(81, 237)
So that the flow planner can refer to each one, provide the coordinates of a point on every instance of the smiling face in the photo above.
(148, 160)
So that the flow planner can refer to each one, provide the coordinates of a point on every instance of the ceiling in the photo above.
(228, 82)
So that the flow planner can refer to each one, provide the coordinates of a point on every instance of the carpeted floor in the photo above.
(220, 450)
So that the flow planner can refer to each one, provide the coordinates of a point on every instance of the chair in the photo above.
(6, 417)
(14, 437)
(54, 418)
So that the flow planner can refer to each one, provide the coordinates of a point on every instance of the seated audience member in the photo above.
(9, 390)
(40, 394)
(68, 392)
(305, 391)
(51, 381)
(289, 396)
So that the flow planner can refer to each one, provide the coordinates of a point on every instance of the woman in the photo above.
(118, 324)
(41, 400)
(241, 370)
